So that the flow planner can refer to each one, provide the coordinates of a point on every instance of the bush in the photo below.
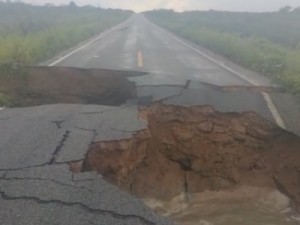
(4, 100)
(29, 34)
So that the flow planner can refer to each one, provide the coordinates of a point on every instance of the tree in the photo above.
(72, 4)
(297, 10)
(285, 9)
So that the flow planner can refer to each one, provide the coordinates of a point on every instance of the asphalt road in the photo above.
(37, 143)
(140, 45)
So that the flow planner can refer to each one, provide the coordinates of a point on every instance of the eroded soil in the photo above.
(185, 152)
(196, 149)
(52, 85)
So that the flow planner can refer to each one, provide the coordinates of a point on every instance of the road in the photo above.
(38, 143)
(141, 45)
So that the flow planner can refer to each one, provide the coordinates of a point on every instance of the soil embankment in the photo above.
(52, 85)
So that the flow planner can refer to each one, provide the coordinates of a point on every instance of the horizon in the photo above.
(178, 5)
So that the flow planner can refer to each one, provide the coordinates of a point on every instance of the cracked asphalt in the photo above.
(36, 184)
(38, 143)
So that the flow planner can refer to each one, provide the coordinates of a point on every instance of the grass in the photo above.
(279, 62)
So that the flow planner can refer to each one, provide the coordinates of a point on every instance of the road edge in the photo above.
(269, 102)
(67, 53)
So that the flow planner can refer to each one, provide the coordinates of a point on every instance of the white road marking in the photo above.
(87, 44)
(274, 110)
(76, 50)
(270, 103)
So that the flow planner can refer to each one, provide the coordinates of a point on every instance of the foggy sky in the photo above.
(179, 5)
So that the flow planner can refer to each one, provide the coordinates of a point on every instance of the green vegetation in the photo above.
(268, 43)
(4, 100)
(30, 34)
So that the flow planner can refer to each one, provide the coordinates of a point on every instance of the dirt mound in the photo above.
(190, 150)
(51, 85)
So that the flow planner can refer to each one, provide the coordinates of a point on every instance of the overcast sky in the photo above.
(142, 5)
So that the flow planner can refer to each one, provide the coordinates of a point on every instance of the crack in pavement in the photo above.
(54, 157)
(79, 204)
(3, 175)
(26, 167)
(51, 180)
(59, 147)
(163, 85)
(151, 96)
(222, 88)
(126, 131)
(187, 84)
(234, 88)
(85, 129)
(58, 123)
(104, 111)
(170, 97)
(93, 113)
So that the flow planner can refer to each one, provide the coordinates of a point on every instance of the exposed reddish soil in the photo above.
(51, 85)
(196, 149)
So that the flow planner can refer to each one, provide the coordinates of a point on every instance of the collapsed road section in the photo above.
(188, 149)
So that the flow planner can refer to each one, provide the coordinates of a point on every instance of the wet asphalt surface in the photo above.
(38, 143)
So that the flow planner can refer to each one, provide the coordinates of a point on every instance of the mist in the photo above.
(178, 5)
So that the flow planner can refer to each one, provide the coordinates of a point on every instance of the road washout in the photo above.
(189, 159)
(31, 86)
(188, 151)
